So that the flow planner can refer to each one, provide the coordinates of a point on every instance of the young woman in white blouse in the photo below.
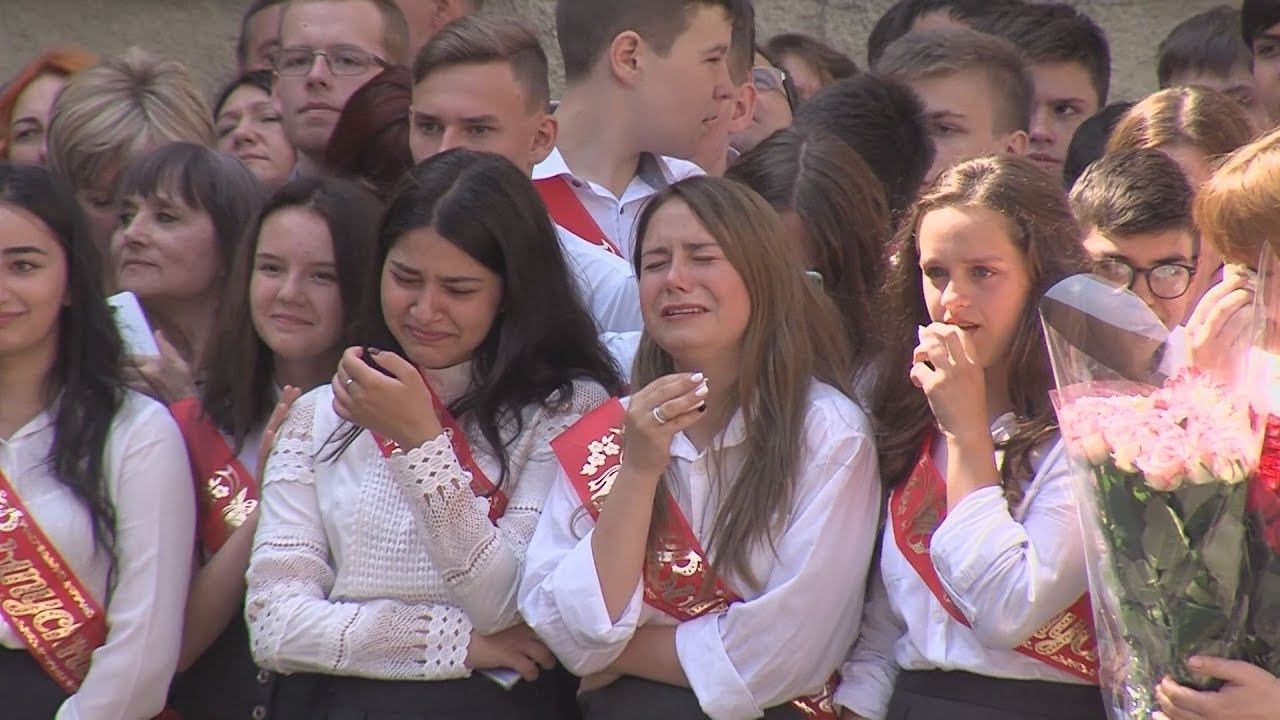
(716, 567)
(978, 610)
(96, 507)
(397, 507)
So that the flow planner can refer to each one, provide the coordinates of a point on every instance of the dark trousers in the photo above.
(223, 684)
(630, 698)
(329, 697)
(940, 695)
(27, 690)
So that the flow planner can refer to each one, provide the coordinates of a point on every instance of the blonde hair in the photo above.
(1198, 117)
(1238, 209)
(111, 112)
(794, 336)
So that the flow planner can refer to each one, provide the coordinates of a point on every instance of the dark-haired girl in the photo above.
(96, 509)
(282, 328)
(979, 609)
(398, 501)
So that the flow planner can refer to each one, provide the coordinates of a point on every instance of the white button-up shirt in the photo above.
(605, 283)
(148, 479)
(787, 637)
(1009, 572)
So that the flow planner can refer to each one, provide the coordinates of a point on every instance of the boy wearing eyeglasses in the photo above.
(328, 50)
(774, 107)
(1134, 207)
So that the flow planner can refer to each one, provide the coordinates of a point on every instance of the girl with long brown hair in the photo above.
(981, 548)
(741, 439)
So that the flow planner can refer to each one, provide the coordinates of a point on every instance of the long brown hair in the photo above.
(1198, 117)
(1043, 229)
(793, 337)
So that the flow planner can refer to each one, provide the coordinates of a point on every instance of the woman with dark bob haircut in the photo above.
(280, 331)
(398, 502)
(96, 509)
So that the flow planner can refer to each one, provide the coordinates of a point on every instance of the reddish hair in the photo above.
(65, 61)
(371, 139)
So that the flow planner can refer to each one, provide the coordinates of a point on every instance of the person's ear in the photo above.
(744, 108)
(624, 57)
(1016, 143)
(544, 138)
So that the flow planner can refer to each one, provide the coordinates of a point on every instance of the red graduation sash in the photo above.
(42, 599)
(226, 493)
(675, 568)
(916, 509)
(567, 210)
(480, 483)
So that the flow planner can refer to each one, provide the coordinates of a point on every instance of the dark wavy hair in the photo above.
(88, 370)
(1042, 227)
(543, 339)
(239, 390)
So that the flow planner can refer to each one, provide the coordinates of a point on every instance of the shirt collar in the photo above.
(653, 170)
(734, 434)
(450, 383)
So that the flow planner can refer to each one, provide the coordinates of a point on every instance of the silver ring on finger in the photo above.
(658, 415)
(348, 381)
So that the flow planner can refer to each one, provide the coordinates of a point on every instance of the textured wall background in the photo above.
(202, 32)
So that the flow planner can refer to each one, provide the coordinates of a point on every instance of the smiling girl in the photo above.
(399, 500)
(716, 565)
(982, 549)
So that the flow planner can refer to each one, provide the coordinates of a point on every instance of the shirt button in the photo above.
(264, 677)
(259, 712)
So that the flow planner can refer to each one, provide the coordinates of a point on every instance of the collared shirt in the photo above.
(1009, 572)
(382, 567)
(605, 283)
(148, 479)
(617, 216)
(787, 637)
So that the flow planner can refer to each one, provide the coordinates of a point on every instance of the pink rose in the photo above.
(1163, 465)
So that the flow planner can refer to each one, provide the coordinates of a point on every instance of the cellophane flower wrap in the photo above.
(1162, 455)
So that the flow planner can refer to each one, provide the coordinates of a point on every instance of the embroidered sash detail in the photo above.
(481, 485)
(917, 507)
(226, 491)
(675, 566)
(568, 212)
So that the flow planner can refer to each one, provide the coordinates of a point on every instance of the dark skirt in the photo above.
(224, 684)
(28, 691)
(940, 695)
(631, 698)
(330, 697)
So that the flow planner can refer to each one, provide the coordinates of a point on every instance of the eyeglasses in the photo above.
(1166, 281)
(342, 60)
(769, 78)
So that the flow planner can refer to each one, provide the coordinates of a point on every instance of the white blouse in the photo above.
(788, 636)
(148, 479)
(374, 568)
(1008, 571)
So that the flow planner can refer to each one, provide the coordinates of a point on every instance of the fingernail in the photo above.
(702, 390)
(374, 351)
(1195, 663)
(920, 332)
(696, 377)
(702, 406)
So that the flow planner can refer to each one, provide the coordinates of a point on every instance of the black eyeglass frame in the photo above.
(1134, 272)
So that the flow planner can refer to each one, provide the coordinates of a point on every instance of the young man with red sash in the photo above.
(96, 508)
(398, 501)
(705, 550)
(979, 609)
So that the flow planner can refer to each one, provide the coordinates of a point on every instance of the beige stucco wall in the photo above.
(202, 32)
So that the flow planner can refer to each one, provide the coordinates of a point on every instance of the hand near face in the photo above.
(165, 377)
(680, 401)
(945, 369)
(1251, 693)
(397, 407)
(1220, 323)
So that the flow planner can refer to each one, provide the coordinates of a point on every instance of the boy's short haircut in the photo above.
(830, 63)
(929, 53)
(1204, 43)
(884, 121)
(586, 28)
(1090, 141)
(901, 17)
(1133, 192)
(1256, 17)
(1238, 209)
(1055, 33)
(395, 29)
(742, 46)
(479, 39)
(255, 7)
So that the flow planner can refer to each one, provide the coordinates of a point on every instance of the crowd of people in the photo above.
(387, 385)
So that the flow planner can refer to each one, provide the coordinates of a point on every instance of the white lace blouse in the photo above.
(374, 568)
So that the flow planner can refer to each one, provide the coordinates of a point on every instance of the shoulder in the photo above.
(141, 418)
(831, 413)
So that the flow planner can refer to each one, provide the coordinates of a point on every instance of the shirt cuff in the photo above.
(862, 691)
(575, 586)
(959, 560)
(721, 691)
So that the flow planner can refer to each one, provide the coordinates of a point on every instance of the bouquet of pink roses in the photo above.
(1162, 463)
